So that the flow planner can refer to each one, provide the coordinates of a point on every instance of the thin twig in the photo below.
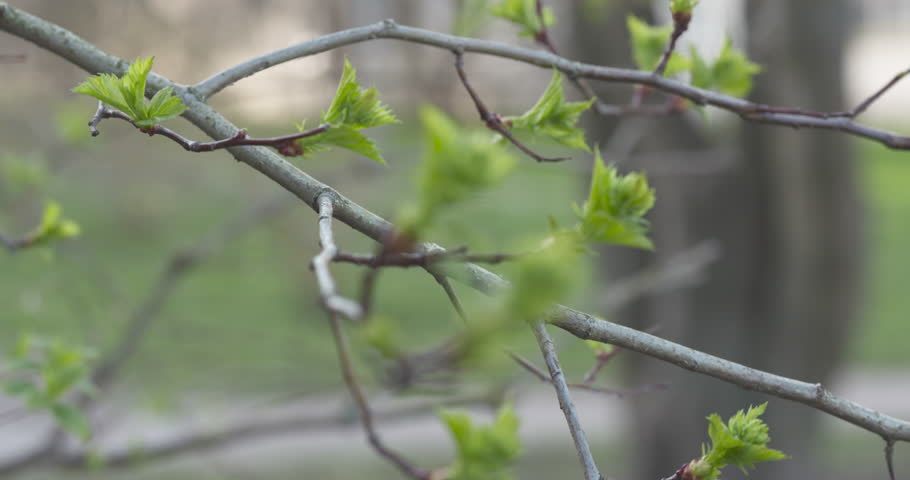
(286, 144)
(558, 379)
(425, 259)
(12, 57)
(331, 300)
(680, 25)
(602, 360)
(889, 457)
(446, 285)
(619, 393)
(492, 120)
(366, 415)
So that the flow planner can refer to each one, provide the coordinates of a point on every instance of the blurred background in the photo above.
(780, 249)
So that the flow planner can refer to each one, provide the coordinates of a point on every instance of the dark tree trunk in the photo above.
(785, 210)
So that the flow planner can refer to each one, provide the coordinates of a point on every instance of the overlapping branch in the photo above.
(582, 325)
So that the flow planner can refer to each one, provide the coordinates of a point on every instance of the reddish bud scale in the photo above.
(681, 21)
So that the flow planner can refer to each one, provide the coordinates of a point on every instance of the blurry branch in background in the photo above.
(493, 121)
(12, 57)
(125, 347)
(684, 269)
(176, 268)
(284, 144)
(252, 425)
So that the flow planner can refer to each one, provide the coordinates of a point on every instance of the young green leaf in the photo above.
(483, 452)
(614, 212)
(72, 420)
(730, 73)
(648, 45)
(353, 109)
(741, 442)
(458, 162)
(53, 227)
(127, 94)
(552, 117)
(683, 6)
(543, 279)
(470, 18)
(524, 14)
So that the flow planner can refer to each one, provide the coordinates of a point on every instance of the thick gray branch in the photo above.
(582, 325)
(389, 29)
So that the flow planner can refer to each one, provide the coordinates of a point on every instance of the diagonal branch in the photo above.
(558, 379)
(492, 120)
(582, 325)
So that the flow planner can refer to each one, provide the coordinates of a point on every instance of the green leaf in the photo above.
(614, 212)
(127, 94)
(731, 72)
(483, 452)
(554, 118)
(353, 109)
(52, 227)
(72, 420)
(356, 107)
(683, 6)
(649, 43)
(343, 136)
(470, 18)
(542, 279)
(741, 442)
(458, 162)
(524, 14)
(19, 386)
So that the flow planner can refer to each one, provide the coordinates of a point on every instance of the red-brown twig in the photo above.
(12, 57)
(286, 145)
(602, 360)
(366, 415)
(415, 259)
(492, 120)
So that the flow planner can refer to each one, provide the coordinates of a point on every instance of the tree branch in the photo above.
(558, 379)
(492, 120)
(366, 415)
(331, 300)
(582, 325)
(389, 29)
(286, 144)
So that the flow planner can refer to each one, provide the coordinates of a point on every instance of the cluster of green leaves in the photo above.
(470, 17)
(731, 72)
(458, 163)
(127, 94)
(544, 278)
(524, 14)
(483, 452)
(742, 441)
(615, 209)
(353, 109)
(53, 226)
(552, 117)
(43, 371)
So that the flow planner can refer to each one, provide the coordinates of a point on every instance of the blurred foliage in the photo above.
(484, 452)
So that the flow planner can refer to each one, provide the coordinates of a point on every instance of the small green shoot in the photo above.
(554, 118)
(127, 94)
(742, 442)
(483, 452)
(524, 14)
(353, 109)
(649, 43)
(683, 6)
(614, 212)
(730, 73)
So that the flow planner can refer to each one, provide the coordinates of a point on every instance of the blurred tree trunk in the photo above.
(785, 211)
